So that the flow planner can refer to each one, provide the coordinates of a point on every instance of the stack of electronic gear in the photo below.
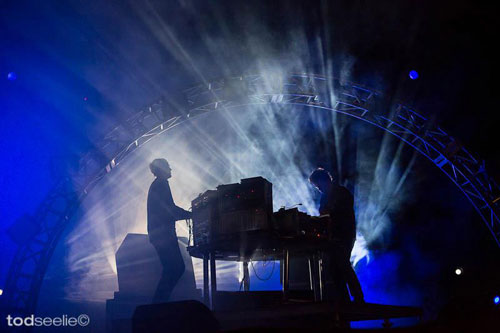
(295, 224)
(231, 210)
(205, 216)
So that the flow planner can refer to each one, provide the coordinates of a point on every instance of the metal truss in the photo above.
(468, 173)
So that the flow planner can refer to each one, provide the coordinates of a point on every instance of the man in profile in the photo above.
(162, 214)
(338, 202)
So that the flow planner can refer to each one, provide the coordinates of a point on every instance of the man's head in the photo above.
(160, 168)
(321, 179)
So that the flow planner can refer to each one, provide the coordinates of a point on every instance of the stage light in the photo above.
(11, 76)
(459, 271)
(1, 292)
(85, 98)
(413, 75)
(496, 299)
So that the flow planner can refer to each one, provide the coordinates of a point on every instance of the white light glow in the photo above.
(282, 144)
(219, 149)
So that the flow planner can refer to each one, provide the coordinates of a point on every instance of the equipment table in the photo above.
(260, 246)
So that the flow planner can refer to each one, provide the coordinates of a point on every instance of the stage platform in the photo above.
(311, 316)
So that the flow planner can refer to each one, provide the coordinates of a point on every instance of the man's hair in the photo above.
(320, 175)
(158, 165)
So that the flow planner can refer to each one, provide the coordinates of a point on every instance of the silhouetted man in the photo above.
(162, 214)
(338, 202)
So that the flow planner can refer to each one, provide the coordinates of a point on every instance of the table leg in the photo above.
(246, 276)
(213, 278)
(206, 297)
(286, 272)
(310, 263)
(315, 274)
(320, 276)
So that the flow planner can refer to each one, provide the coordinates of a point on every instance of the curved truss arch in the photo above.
(467, 173)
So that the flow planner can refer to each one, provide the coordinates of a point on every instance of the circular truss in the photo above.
(28, 267)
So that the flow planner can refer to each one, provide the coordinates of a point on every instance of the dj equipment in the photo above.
(236, 223)
(205, 216)
(245, 207)
(292, 223)
(231, 210)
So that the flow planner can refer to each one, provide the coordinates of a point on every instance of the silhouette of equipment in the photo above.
(235, 222)
(232, 209)
(244, 208)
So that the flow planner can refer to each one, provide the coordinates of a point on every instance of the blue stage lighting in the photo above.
(496, 300)
(11, 76)
(413, 75)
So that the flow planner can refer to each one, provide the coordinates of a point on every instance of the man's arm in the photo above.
(181, 214)
(175, 212)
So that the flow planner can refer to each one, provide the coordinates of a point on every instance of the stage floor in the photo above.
(312, 316)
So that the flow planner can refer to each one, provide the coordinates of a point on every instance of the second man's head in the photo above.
(321, 179)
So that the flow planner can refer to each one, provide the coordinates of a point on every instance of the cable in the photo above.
(257, 275)
(189, 224)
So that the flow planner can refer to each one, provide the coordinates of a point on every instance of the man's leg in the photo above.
(350, 275)
(176, 267)
(173, 268)
(161, 292)
(341, 294)
(162, 288)
(353, 282)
